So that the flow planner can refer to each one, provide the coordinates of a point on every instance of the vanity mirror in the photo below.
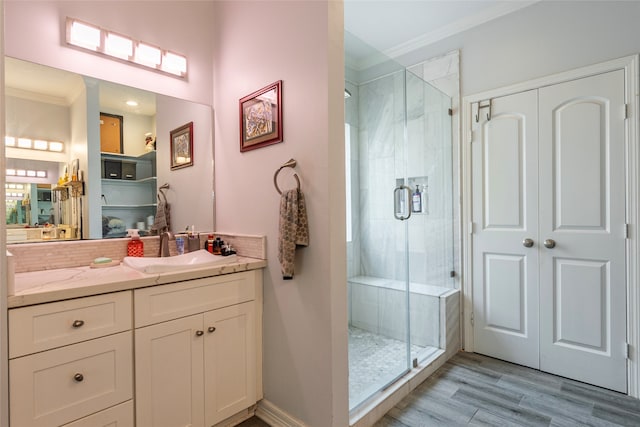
(72, 185)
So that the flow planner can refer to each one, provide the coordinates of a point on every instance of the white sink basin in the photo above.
(188, 261)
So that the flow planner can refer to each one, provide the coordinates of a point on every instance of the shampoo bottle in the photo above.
(416, 200)
(425, 200)
(135, 247)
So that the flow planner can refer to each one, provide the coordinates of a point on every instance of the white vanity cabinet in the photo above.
(70, 360)
(198, 350)
(194, 349)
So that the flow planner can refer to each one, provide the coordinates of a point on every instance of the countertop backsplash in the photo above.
(80, 253)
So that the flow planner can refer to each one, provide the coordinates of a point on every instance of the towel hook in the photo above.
(289, 164)
(480, 106)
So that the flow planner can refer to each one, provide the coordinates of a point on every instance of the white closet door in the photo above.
(505, 214)
(582, 210)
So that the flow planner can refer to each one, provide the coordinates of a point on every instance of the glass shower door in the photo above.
(399, 226)
(378, 329)
(430, 240)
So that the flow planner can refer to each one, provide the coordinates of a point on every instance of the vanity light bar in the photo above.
(84, 35)
(34, 144)
(96, 39)
(118, 46)
(27, 173)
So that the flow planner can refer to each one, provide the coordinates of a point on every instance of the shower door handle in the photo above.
(398, 211)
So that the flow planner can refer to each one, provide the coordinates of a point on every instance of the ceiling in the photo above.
(396, 27)
(34, 81)
(390, 27)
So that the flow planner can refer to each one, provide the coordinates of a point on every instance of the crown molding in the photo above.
(442, 33)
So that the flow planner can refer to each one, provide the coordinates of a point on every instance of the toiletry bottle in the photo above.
(425, 199)
(217, 246)
(135, 247)
(193, 240)
(209, 243)
(180, 245)
(417, 200)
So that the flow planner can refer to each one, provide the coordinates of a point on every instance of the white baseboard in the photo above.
(276, 417)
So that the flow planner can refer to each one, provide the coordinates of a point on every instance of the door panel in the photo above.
(504, 302)
(581, 323)
(505, 187)
(582, 209)
(503, 168)
(579, 160)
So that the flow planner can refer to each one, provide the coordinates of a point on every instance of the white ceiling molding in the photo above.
(464, 24)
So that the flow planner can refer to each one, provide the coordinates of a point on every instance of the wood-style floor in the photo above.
(472, 389)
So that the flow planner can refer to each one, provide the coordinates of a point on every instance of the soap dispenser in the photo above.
(135, 247)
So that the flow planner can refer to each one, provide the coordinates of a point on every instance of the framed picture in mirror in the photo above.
(261, 117)
(182, 146)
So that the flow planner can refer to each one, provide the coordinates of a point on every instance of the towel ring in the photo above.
(290, 164)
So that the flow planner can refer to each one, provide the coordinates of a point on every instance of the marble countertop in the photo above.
(39, 287)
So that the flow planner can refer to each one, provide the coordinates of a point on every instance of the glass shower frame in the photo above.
(401, 143)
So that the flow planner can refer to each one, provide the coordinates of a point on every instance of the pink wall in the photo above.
(248, 44)
(35, 32)
(258, 43)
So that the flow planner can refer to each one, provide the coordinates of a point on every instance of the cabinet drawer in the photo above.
(161, 303)
(43, 327)
(118, 416)
(61, 385)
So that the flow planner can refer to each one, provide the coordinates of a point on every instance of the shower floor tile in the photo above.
(374, 361)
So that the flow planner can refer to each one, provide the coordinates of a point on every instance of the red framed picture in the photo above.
(261, 117)
(182, 146)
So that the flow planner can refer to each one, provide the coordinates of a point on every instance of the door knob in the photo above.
(549, 243)
(527, 243)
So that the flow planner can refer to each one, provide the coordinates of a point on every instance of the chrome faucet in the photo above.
(163, 249)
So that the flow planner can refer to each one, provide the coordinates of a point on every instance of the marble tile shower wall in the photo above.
(381, 158)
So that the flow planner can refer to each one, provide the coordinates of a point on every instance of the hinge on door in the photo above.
(626, 231)
(471, 317)
(452, 273)
(470, 227)
(626, 111)
(627, 350)
(470, 136)
(450, 112)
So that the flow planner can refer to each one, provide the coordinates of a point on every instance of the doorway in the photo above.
(549, 218)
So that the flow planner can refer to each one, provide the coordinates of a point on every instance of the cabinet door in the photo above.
(58, 386)
(230, 361)
(169, 373)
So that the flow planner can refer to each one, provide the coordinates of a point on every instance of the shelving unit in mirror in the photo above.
(129, 187)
